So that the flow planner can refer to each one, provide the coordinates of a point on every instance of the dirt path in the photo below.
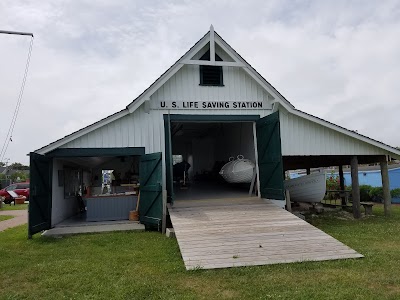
(20, 217)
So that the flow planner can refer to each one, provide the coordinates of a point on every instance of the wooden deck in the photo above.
(246, 232)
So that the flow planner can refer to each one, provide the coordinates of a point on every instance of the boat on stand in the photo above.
(308, 188)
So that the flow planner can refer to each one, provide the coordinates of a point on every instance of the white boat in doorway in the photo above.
(308, 188)
(238, 171)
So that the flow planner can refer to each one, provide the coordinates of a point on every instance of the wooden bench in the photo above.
(368, 207)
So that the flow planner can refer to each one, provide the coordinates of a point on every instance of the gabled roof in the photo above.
(209, 38)
(169, 72)
(197, 47)
(145, 95)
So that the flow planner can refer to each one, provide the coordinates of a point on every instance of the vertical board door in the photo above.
(40, 193)
(270, 157)
(151, 204)
(168, 160)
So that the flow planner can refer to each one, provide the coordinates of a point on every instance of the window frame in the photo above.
(221, 76)
(206, 57)
(22, 186)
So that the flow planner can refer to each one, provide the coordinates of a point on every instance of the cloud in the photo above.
(337, 60)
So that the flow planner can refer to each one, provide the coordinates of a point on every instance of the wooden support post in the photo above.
(164, 212)
(308, 171)
(253, 180)
(355, 188)
(288, 203)
(387, 200)
(341, 182)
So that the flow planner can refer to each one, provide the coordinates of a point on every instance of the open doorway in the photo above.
(88, 189)
(200, 150)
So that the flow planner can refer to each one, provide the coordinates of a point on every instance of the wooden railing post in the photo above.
(288, 203)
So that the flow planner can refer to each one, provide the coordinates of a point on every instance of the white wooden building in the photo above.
(210, 105)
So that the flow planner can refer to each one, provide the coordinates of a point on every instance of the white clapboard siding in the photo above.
(146, 129)
(141, 129)
(184, 86)
(300, 136)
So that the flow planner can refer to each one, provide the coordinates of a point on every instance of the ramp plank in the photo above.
(227, 233)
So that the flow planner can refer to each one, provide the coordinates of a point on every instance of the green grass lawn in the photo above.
(3, 218)
(147, 265)
(14, 207)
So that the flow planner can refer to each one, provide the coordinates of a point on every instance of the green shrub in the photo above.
(364, 193)
(369, 193)
(395, 193)
(376, 194)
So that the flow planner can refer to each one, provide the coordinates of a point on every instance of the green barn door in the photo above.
(168, 160)
(151, 204)
(40, 193)
(270, 157)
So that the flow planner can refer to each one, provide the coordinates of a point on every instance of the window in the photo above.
(211, 75)
(11, 187)
(22, 186)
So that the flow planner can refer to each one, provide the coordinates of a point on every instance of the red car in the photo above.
(21, 188)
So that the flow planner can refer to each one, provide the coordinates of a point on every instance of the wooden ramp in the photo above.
(227, 233)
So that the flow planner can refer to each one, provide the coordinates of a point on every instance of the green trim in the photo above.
(168, 118)
(168, 159)
(213, 118)
(270, 157)
(50, 191)
(41, 184)
(89, 152)
(151, 196)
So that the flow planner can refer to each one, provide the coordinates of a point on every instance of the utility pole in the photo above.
(21, 92)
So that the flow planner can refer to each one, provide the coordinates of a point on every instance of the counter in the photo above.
(110, 207)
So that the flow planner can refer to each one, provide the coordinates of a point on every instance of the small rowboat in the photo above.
(308, 188)
(238, 171)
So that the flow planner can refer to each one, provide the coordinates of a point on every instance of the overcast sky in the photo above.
(338, 60)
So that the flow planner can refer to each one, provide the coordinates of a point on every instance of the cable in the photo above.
(15, 115)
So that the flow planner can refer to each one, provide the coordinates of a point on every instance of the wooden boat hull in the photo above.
(309, 188)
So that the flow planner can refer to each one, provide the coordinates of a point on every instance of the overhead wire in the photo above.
(8, 137)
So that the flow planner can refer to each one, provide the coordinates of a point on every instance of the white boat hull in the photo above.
(238, 171)
(309, 188)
